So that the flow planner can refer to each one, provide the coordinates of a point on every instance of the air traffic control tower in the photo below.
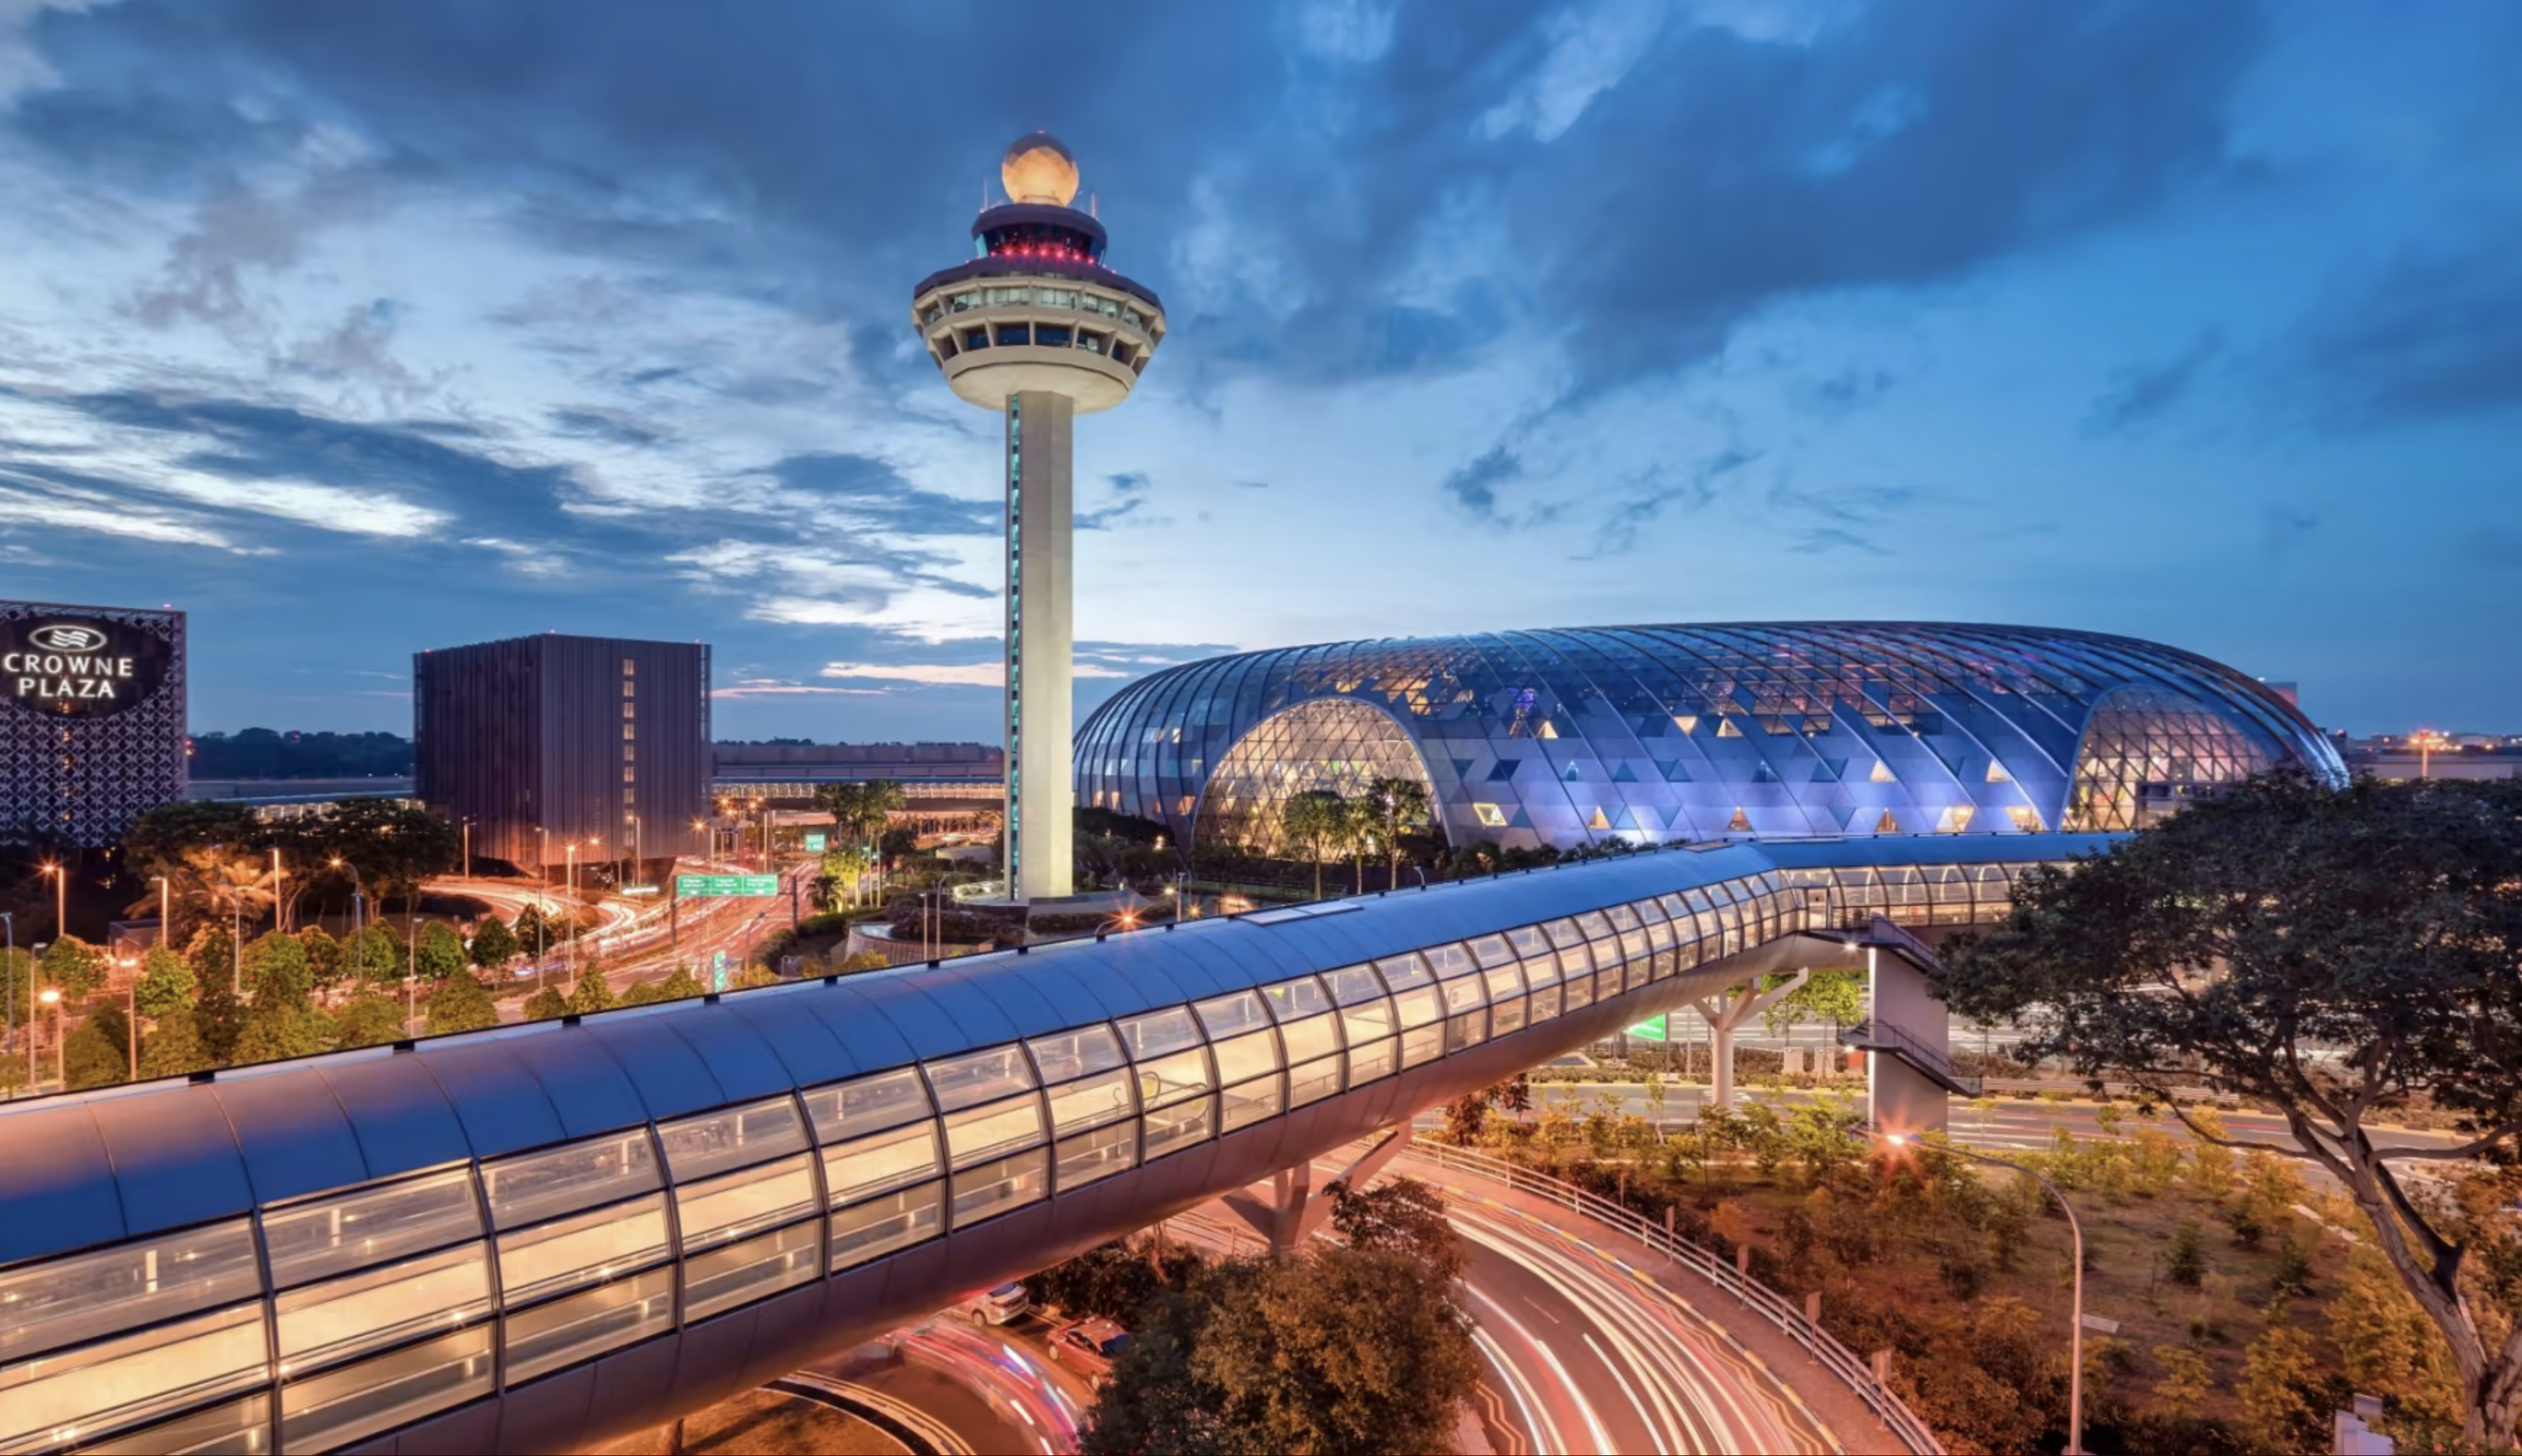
(1034, 326)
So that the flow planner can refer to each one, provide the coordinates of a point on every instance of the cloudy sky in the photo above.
(354, 329)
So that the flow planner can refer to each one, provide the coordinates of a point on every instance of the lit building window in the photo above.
(2146, 751)
(1490, 815)
(1336, 744)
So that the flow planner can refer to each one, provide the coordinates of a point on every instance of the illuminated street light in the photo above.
(52, 997)
(61, 898)
(2427, 741)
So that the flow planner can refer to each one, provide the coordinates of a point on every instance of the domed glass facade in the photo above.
(1650, 733)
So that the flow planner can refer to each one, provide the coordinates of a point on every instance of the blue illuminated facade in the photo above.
(1693, 732)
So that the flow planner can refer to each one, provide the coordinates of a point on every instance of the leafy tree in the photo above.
(175, 1048)
(1155, 1401)
(641, 993)
(326, 960)
(18, 978)
(462, 1003)
(440, 953)
(392, 846)
(376, 954)
(275, 965)
(74, 966)
(2185, 1260)
(219, 1019)
(533, 935)
(1403, 1218)
(2382, 921)
(678, 985)
(99, 1053)
(368, 1020)
(751, 976)
(897, 844)
(1314, 821)
(494, 945)
(546, 1004)
(166, 983)
(1395, 807)
(862, 961)
(2283, 1400)
(2387, 1346)
(1834, 996)
(167, 840)
(593, 993)
(2186, 1380)
(213, 957)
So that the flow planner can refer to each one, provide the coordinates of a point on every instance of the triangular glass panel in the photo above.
(1765, 774)
(1569, 775)
(1881, 774)
(1821, 773)
(1725, 728)
(1741, 824)
(1598, 822)
(1624, 773)
(1674, 773)
(1546, 731)
(1504, 770)
(1954, 820)
(1889, 824)
(1522, 820)
(1996, 773)
(1688, 722)
(1463, 766)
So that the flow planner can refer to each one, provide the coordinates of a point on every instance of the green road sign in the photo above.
(716, 886)
(813, 843)
(1649, 1031)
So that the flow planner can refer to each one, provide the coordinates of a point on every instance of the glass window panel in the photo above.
(1312, 1081)
(1313, 1037)
(1251, 1101)
(1621, 918)
(1505, 1016)
(1170, 1079)
(1302, 996)
(1091, 1101)
(62, 1301)
(1231, 1016)
(1075, 1054)
(860, 1170)
(1099, 1153)
(581, 1326)
(1633, 945)
(1422, 1046)
(1542, 1004)
(1173, 1128)
(738, 1137)
(587, 1247)
(1648, 912)
(1403, 972)
(1247, 1056)
(1541, 968)
(1352, 984)
(1660, 935)
(1158, 1033)
(869, 1105)
(993, 1188)
(739, 1203)
(879, 1226)
(132, 1379)
(1420, 1005)
(754, 1269)
(322, 1323)
(1464, 993)
(1450, 959)
(1000, 1128)
(1365, 1023)
(1577, 993)
(981, 1077)
(1466, 1032)
(1594, 924)
(241, 1427)
(1575, 963)
(536, 1186)
(312, 1241)
(1505, 981)
(1492, 950)
(1367, 1061)
(340, 1406)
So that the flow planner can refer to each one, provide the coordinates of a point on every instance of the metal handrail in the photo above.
(1875, 1032)
(1824, 1347)
(1892, 932)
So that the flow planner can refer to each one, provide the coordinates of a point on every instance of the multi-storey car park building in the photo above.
(91, 721)
(1037, 328)
(1695, 732)
(556, 749)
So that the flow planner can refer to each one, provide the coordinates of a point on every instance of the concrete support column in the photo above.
(1725, 1014)
(1041, 640)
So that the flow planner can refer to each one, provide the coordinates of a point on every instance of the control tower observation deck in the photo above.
(1036, 327)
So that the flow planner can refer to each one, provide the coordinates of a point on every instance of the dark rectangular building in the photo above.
(91, 721)
(547, 741)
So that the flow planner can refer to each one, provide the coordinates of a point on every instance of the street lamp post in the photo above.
(51, 996)
(2075, 1330)
(162, 909)
(279, 914)
(61, 899)
(135, 1028)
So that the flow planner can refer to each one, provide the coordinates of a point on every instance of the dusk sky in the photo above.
(353, 329)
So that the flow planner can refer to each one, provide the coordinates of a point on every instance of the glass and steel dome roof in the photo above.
(1648, 733)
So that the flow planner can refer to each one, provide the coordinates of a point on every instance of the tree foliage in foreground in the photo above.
(1355, 1347)
(2384, 921)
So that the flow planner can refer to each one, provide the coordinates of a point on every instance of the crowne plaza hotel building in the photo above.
(92, 718)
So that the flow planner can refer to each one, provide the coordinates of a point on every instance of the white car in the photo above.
(994, 1307)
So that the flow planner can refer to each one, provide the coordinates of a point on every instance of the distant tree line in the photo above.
(263, 752)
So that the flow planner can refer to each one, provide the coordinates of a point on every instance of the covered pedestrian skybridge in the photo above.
(545, 1235)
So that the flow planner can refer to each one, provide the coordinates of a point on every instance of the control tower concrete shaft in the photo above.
(1036, 327)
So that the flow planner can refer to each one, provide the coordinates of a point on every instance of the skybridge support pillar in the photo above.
(1725, 1014)
(1292, 1213)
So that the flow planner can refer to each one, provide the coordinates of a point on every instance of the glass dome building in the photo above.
(1650, 733)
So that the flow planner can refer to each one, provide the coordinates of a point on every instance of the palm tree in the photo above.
(1316, 820)
(1398, 806)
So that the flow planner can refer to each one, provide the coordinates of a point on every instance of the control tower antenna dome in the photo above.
(1039, 168)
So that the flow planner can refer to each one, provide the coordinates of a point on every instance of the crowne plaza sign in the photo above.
(79, 667)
